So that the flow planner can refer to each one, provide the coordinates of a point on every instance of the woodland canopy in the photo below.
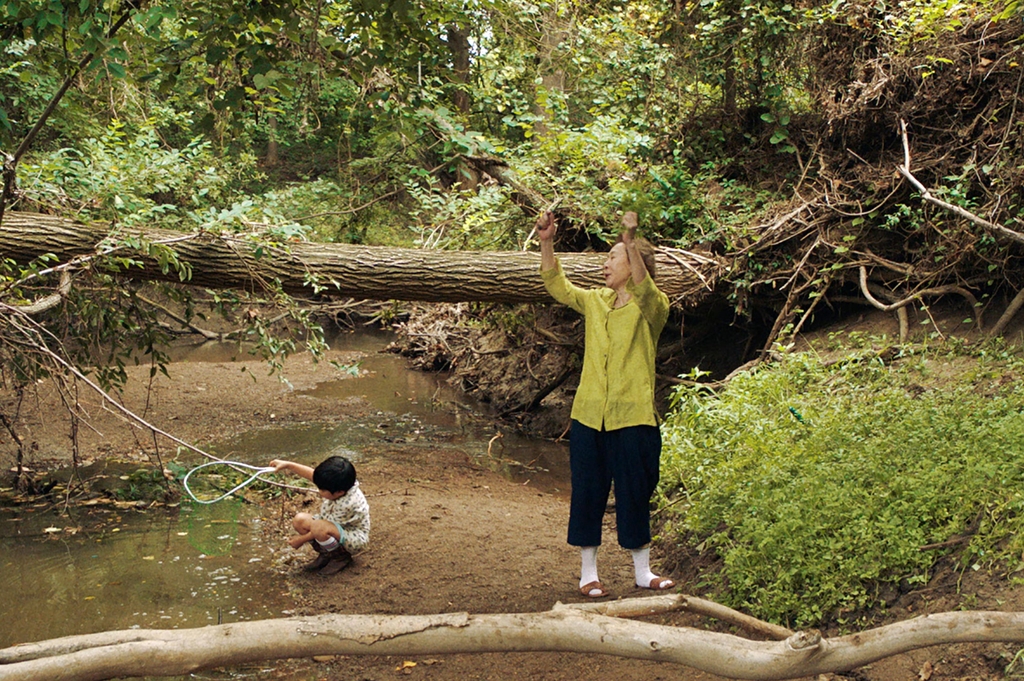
(830, 153)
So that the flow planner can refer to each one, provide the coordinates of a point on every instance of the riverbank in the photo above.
(449, 533)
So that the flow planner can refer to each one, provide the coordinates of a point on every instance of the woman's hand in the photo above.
(545, 226)
(629, 222)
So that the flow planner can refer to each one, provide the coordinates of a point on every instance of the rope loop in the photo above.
(260, 470)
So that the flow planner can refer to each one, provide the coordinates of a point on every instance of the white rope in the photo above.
(260, 470)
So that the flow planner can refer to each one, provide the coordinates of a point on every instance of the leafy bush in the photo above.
(817, 484)
(133, 178)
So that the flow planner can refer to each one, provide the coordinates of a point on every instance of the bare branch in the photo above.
(50, 301)
(937, 291)
(33, 336)
(1008, 314)
(904, 170)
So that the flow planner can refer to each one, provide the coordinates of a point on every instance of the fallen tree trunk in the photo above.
(236, 261)
(562, 629)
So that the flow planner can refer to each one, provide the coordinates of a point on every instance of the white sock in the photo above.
(330, 544)
(642, 567)
(588, 565)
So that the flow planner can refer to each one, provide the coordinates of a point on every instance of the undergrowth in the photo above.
(817, 483)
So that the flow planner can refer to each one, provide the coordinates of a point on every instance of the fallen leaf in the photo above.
(405, 665)
(926, 671)
(51, 530)
(148, 558)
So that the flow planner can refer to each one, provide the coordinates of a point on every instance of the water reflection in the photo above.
(106, 569)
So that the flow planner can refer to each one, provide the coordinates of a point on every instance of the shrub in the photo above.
(817, 483)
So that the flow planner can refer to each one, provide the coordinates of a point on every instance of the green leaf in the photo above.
(215, 54)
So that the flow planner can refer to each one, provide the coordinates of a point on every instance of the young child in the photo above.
(343, 523)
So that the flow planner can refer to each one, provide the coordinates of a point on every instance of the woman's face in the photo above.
(616, 267)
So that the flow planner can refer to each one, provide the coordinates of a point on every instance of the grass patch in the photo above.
(817, 483)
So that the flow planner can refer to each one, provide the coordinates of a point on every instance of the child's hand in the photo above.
(278, 464)
(545, 226)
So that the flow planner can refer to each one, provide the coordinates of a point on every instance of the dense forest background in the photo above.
(832, 156)
(801, 142)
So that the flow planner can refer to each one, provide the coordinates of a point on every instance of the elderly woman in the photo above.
(614, 434)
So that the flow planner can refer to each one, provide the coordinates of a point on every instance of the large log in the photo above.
(153, 652)
(226, 260)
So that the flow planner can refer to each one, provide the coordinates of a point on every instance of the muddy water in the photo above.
(106, 568)
(407, 408)
(120, 569)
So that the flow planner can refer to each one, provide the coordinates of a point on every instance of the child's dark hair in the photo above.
(334, 474)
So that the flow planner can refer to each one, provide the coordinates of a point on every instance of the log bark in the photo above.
(153, 652)
(228, 260)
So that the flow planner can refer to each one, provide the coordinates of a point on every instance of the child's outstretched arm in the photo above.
(296, 468)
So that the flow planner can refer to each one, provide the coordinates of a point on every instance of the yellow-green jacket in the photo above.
(617, 384)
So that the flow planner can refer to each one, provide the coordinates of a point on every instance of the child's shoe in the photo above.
(322, 558)
(337, 560)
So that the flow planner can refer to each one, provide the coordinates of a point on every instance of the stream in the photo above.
(118, 567)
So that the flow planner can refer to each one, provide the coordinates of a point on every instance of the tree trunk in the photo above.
(579, 629)
(272, 157)
(458, 44)
(229, 260)
(552, 76)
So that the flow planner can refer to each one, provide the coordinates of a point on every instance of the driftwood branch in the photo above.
(997, 230)
(652, 605)
(134, 653)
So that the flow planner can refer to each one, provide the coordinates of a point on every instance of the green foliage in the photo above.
(817, 482)
(131, 178)
(752, 42)
(14, 78)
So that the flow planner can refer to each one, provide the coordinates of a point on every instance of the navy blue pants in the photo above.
(631, 457)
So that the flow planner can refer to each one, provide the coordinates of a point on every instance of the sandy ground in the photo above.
(448, 534)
